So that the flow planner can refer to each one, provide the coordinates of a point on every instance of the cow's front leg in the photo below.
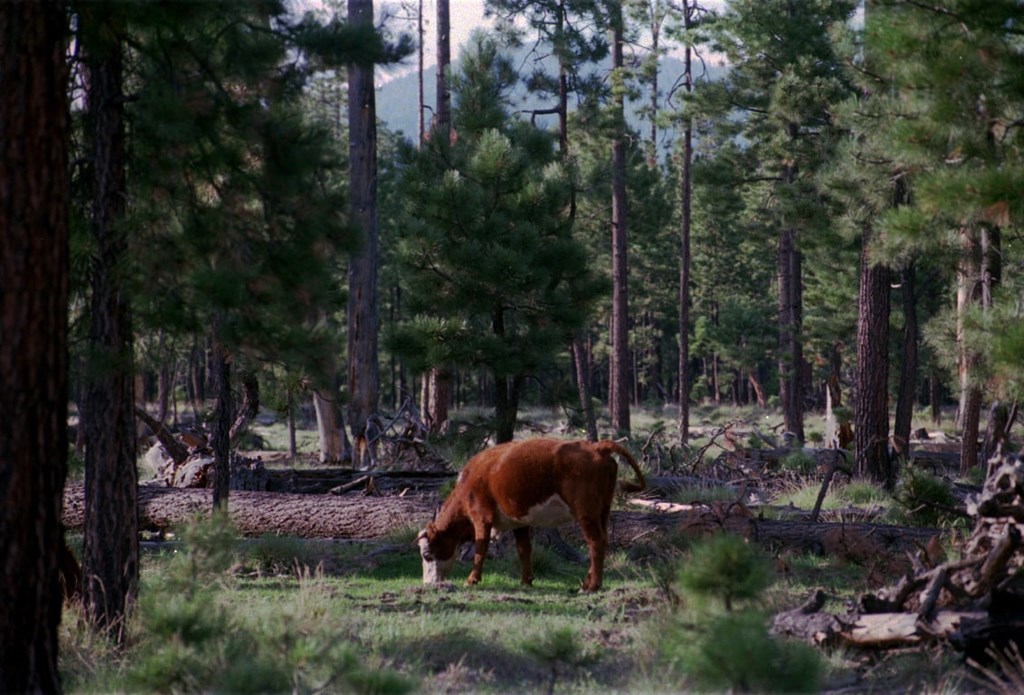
(524, 549)
(481, 539)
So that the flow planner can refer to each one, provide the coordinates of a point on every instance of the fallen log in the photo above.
(888, 630)
(260, 513)
(356, 516)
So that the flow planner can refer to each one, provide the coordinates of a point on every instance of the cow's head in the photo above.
(437, 553)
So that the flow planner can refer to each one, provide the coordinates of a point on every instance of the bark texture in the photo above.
(363, 370)
(33, 339)
(220, 440)
(908, 366)
(684, 248)
(259, 513)
(353, 515)
(790, 340)
(871, 413)
(619, 377)
(110, 555)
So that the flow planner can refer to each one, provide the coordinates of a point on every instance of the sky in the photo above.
(464, 17)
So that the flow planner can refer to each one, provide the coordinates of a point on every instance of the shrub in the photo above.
(190, 642)
(726, 567)
(926, 500)
(798, 462)
(737, 653)
(559, 646)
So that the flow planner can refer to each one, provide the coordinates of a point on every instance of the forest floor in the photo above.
(286, 614)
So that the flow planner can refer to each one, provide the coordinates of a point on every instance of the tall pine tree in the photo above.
(492, 275)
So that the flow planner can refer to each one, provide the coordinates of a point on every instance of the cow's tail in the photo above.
(610, 447)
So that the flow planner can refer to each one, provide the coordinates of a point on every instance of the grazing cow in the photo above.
(535, 482)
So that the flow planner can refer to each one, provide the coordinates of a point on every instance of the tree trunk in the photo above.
(421, 102)
(934, 399)
(292, 447)
(581, 361)
(995, 433)
(34, 200)
(656, 19)
(363, 370)
(334, 446)
(438, 391)
(443, 107)
(110, 558)
(968, 294)
(506, 389)
(250, 405)
(871, 414)
(684, 249)
(908, 367)
(220, 440)
(619, 387)
(790, 340)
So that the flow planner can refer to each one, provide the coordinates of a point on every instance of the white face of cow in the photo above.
(434, 571)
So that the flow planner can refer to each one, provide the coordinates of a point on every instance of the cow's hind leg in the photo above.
(525, 550)
(596, 534)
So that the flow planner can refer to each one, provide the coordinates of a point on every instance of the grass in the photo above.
(870, 499)
(327, 616)
(316, 611)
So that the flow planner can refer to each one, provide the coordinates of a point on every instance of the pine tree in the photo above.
(955, 67)
(34, 217)
(777, 98)
(618, 388)
(570, 31)
(240, 203)
(491, 273)
(110, 558)
(363, 374)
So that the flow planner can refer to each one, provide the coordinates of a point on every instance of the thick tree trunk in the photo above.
(363, 370)
(506, 406)
(871, 413)
(33, 339)
(438, 389)
(334, 446)
(110, 558)
(908, 366)
(619, 387)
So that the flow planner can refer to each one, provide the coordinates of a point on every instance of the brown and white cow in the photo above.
(534, 482)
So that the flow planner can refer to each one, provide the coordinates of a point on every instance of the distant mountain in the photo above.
(396, 99)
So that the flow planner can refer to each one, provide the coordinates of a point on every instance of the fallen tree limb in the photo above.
(175, 449)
